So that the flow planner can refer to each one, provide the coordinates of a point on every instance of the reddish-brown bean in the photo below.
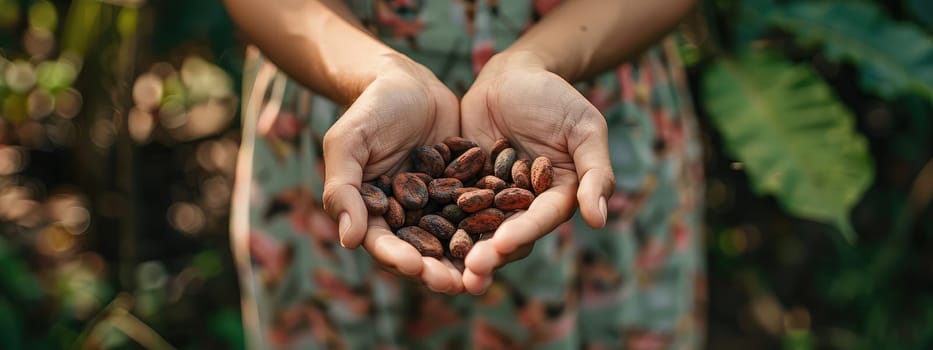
(483, 221)
(542, 174)
(514, 199)
(424, 242)
(437, 225)
(443, 190)
(475, 201)
(395, 215)
(521, 174)
(375, 200)
(410, 190)
(466, 165)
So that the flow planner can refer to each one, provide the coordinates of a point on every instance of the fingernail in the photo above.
(602, 208)
(343, 224)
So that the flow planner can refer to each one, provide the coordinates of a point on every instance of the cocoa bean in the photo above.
(410, 191)
(483, 221)
(460, 191)
(503, 167)
(466, 165)
(459, 144)
(442, 190)
(453, 213)
(395, 215)
(498, 146)
(491, 182)
(437, 225)
(513, 199)
(542, 174)
(460, 244)
(375, 200)
(424, 242)
(475, 201)
(424, 177)
(444, 151)
(384, 182)
(428, 160)
(521, 174)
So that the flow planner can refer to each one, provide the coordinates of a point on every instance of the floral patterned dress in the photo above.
(637, 284)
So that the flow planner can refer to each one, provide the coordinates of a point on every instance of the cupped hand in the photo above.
(404, 107)
(541, 114)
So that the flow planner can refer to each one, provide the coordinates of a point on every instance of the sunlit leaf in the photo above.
(793, 136)
(893, 58)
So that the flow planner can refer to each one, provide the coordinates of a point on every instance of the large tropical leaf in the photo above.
(795, 138)
(893, 58)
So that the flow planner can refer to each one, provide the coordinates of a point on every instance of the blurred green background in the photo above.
(119, 130)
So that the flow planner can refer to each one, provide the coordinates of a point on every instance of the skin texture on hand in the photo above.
(404, 107)
(542, 115)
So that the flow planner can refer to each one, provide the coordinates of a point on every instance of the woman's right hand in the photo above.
(404, 107)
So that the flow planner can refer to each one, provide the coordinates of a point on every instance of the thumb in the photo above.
(588, 144)
(343, 173)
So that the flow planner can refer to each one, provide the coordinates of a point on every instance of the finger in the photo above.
(390, 251)
(588, 143)
(548, 210)
(474, 283)
(343, 174)
(456, 277)
(436, 276)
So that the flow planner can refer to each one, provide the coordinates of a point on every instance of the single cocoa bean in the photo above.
(424, 242)
(459, 144)
(483, 221)
(542, 174)
(438, 226)
(460, 191)
(424, 177)
(498, 146)
(375, 200)
(514, 199)
(487, 167)
(453, 213)
(412, 217)
(384, 182)
(491, 182)
(410, 191)
(442, 190)
(503, 166)
(460, 244)
(475, 201)
(395, 215)
(444, 151)
(428, 160)
(521, 174)
(466, 165)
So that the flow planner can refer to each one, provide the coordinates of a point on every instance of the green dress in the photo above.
(637, 284)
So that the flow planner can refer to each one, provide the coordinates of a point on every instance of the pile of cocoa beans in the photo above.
(456, 194)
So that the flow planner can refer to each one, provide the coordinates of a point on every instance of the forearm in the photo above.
(318, 43)
(584, 37)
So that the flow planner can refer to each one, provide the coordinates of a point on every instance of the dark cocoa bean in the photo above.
(503, 166)
(428, 160)
(491, 182)
(375, 200)
(475, 201)
(444, 151)
(424, 242)
(501, 144)
(453, 213)
(438, 226)
(395, 215)
(466, 165)
(483, 221)
(514, 199)
(384, 182)
(459, 144)
(442, 190)
(410, 191)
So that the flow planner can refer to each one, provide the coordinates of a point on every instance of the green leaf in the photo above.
(893, 58)
(795, 138)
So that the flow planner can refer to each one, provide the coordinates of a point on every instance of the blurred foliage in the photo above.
(118, 136)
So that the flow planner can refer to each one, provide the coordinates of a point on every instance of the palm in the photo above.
(541, 115)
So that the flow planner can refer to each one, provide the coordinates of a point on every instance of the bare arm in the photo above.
(319, 43)
(584, 37)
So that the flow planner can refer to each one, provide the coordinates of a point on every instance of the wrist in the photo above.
(532, 58)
